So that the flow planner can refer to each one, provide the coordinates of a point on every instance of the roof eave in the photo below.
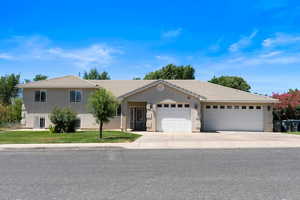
(240, 101)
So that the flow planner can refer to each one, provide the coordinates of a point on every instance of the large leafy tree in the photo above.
(93, 74)
(8, 89)
(40, 77)
(11, 113)
(288, 106)
(232, 82)
(171, 71)
(103, 105)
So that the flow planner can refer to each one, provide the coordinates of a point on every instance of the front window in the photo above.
(42, 122)
(75, 96)
(40, 96)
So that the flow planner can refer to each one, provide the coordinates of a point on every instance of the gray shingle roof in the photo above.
(60, 82)
(211, 92)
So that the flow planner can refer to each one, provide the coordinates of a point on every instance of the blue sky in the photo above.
(256, 39)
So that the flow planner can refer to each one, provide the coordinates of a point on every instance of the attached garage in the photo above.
(233, 118)
(174, 118)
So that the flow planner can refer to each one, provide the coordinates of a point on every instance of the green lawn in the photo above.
(36, 137)
(294, 133)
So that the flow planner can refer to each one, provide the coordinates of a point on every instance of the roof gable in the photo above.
(157, 82)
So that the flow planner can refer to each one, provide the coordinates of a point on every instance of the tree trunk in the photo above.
(100, 129)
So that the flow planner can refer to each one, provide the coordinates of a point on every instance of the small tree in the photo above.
(102, 104)
(64, 120)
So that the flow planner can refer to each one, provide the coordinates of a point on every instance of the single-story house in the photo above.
(151, 105)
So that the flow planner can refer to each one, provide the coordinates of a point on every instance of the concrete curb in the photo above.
(177, 145)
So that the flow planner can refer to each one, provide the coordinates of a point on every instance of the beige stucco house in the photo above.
(152, 105)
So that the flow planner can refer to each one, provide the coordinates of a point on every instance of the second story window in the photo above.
(75, 96)
(40, 96)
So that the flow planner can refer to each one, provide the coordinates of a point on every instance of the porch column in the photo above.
(150, 118)
(124, 113)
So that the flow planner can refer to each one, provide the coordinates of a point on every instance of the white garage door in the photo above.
(233, 118)
(174, 118)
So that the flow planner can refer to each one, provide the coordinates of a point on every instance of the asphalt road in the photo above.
(151, 174)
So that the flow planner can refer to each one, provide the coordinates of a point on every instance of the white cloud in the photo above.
(216, 46)
(281, 39)
(6, 56)
(271, 54)
(172, 33)
(243, 42)
(166, 59)
(40, 48)
(96, 54)
(256, 60)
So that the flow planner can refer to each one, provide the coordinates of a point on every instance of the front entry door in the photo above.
(138, 118)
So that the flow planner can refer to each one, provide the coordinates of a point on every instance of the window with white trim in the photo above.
(75, 96)
(40, 96)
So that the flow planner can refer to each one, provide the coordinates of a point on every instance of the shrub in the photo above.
(64, 120)
(11, 114)
(51, 129)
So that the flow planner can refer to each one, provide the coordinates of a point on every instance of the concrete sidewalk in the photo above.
(221, 140)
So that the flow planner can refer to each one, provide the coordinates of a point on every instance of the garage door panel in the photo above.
(174, 120)
(233, 120)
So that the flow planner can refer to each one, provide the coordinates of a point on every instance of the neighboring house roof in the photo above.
(205, 91)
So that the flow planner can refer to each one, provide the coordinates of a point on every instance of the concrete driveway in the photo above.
(217, 140)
